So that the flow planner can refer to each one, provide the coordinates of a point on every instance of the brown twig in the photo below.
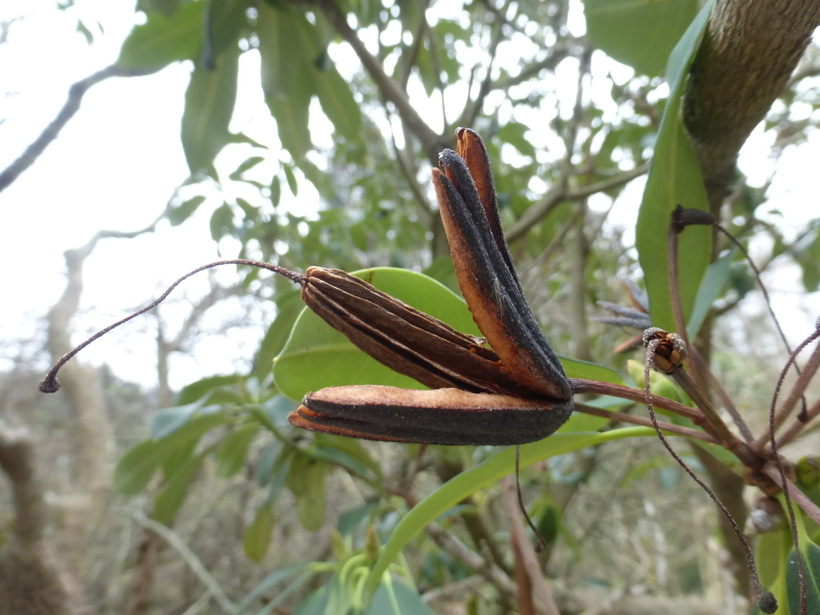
(469, 558)
(645, 422)
(70, 108)
(581, 385)
(545, 603)
(797, 390)
(557, 195)
(797, 426)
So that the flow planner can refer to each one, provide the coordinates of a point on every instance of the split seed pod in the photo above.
(515, 393)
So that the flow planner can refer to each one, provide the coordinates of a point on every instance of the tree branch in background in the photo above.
(390, 90)
(540, 595)
(558, 194)
(31, 578)
(748, 54)
(469, 558)
(71, 106)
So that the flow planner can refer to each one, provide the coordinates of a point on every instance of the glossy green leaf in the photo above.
(496, 467)
(234, 450)
(710, 288)
(256, 539)
(288, 310)
(576, 368)
(674, 179)
(170, 499)
(638, 33)
(317, 355)
(811, 561)
(162, 40)
(209, 103)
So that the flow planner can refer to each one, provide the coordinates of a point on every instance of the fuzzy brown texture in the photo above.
(749, 52)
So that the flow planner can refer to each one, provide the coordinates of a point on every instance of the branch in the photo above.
(544, 601)
(196, 566)
(460, 552)
(645, 422)
(390, 90)
(558, 194)
(71, 106)
(747, 55)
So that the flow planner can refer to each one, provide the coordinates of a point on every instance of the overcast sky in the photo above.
(119, 160)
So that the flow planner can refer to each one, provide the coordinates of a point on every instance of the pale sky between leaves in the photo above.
(118, 161)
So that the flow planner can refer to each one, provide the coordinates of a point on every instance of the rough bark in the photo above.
(749, 52)
(91, 428)
(32, 580)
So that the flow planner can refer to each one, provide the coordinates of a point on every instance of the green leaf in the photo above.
(256, 539)
(291, 114)
(137, 466)
(288, 309)
(311, 502)
(209, 103)
(162, 40)
(201, 388)
(638, 33)
(221, 222)
(246, 165)
(182, 212)
(272, 579)
(576, 368)
(496, 467)
(227, 20)
(287, 85)
(290, 176)
(395, 597)
(171, 498)
(674, 179)
(168, 420)
(317, 356)
(234, 450)
(712, 285)
(514, 134)
(275, 191)
(338, 103)
(811, 561)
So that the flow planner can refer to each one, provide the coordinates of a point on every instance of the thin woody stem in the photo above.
(50, 384)
(713, 424)
(715, 385)
(797, 426)
(799, 386)
(623, 417)
(581, 385)
(650, 351)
